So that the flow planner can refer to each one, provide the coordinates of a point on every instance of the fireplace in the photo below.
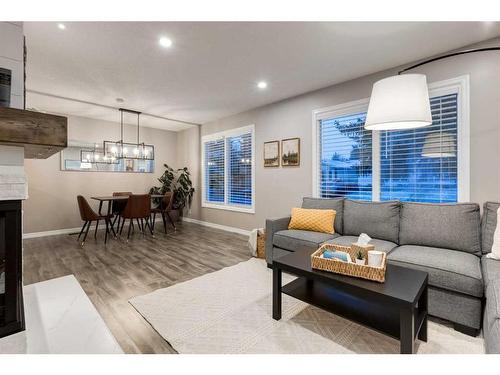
(5, 83)
(11, 292)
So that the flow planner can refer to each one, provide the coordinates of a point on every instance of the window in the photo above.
(240, 169)
(420, 165)
(346, 157)
(214, 170)
(228, 170)
(428, 164)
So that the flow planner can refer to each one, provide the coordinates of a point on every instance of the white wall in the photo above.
(279, 189)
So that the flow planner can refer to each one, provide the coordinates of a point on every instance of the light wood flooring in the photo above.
(112, 274)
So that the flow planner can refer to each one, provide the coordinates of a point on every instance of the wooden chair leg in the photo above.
(83, 228)
(123, 223)
(106, 221)
(164, 222)
(151, 228)
(129, 228)
(96, 226)
(171, 221)
(86, 232)
(114, 221)
(154, 220)
(112, 229)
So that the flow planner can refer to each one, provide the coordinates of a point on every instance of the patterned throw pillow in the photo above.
(313, 220)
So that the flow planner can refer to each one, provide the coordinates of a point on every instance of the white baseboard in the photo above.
(217, 226)
(77, 230)
(65, 231)
(51, 232)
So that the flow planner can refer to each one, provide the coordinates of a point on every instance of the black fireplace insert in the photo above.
(11, 292)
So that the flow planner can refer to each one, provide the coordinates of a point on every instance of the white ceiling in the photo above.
(212, 68)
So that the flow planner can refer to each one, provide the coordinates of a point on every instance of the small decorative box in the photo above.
(363, 248)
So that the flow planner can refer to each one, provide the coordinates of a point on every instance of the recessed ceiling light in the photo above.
(62, 26)
(165, 42)
(262, 85)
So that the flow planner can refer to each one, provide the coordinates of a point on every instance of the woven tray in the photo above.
(349, 269)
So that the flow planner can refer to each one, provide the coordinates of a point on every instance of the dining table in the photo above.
(110, 199)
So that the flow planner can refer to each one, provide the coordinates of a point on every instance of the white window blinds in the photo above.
(420, 165)
(214, 171)
(228, 169)
(239, 150)
(345, 153)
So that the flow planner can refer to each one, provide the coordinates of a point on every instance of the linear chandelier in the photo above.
(128, 150)
(402, 101)
(95, 156)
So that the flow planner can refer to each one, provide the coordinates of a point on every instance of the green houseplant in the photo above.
(359, 258)
(179, 182)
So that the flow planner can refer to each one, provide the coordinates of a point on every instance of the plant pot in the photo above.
(360, 262)
(175, 215)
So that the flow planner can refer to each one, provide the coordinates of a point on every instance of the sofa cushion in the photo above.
(491, 323)
(449, 226)
(295, 240)
(376, 219)
(453, 270)
(488, 225)
(380, 245)
(336, 204)
(312, 220)
(491, 270)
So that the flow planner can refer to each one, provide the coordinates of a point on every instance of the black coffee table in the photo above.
(397, 308)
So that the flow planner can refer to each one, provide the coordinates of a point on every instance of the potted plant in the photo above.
(359, 258)
(179, 182)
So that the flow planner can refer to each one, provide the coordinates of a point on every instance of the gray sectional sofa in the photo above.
(448, 241)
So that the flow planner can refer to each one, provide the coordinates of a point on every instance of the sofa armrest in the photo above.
(273, 226)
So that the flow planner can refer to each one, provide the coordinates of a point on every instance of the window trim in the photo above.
(224, 135)
(459, 85)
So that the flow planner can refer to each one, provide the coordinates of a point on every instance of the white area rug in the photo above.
(229, 311)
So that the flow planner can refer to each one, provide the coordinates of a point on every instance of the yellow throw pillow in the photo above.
(313, 220)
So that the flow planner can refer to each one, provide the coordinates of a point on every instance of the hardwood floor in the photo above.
(111, 274)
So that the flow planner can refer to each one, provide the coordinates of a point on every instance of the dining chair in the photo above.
(88, 215)
(118, 206)
(138, 207)
(164, 209)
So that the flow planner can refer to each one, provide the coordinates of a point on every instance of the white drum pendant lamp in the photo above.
(439, 145)
(399, 102)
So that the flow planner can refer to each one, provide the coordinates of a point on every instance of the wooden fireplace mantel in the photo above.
(41, 134)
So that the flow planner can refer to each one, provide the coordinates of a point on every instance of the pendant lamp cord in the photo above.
(138, 128)
(121, 126)
(449, 55)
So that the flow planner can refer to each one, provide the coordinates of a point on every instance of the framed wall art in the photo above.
(272, 154)
(290, 152)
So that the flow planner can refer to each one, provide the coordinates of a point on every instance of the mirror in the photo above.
(76, 157)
